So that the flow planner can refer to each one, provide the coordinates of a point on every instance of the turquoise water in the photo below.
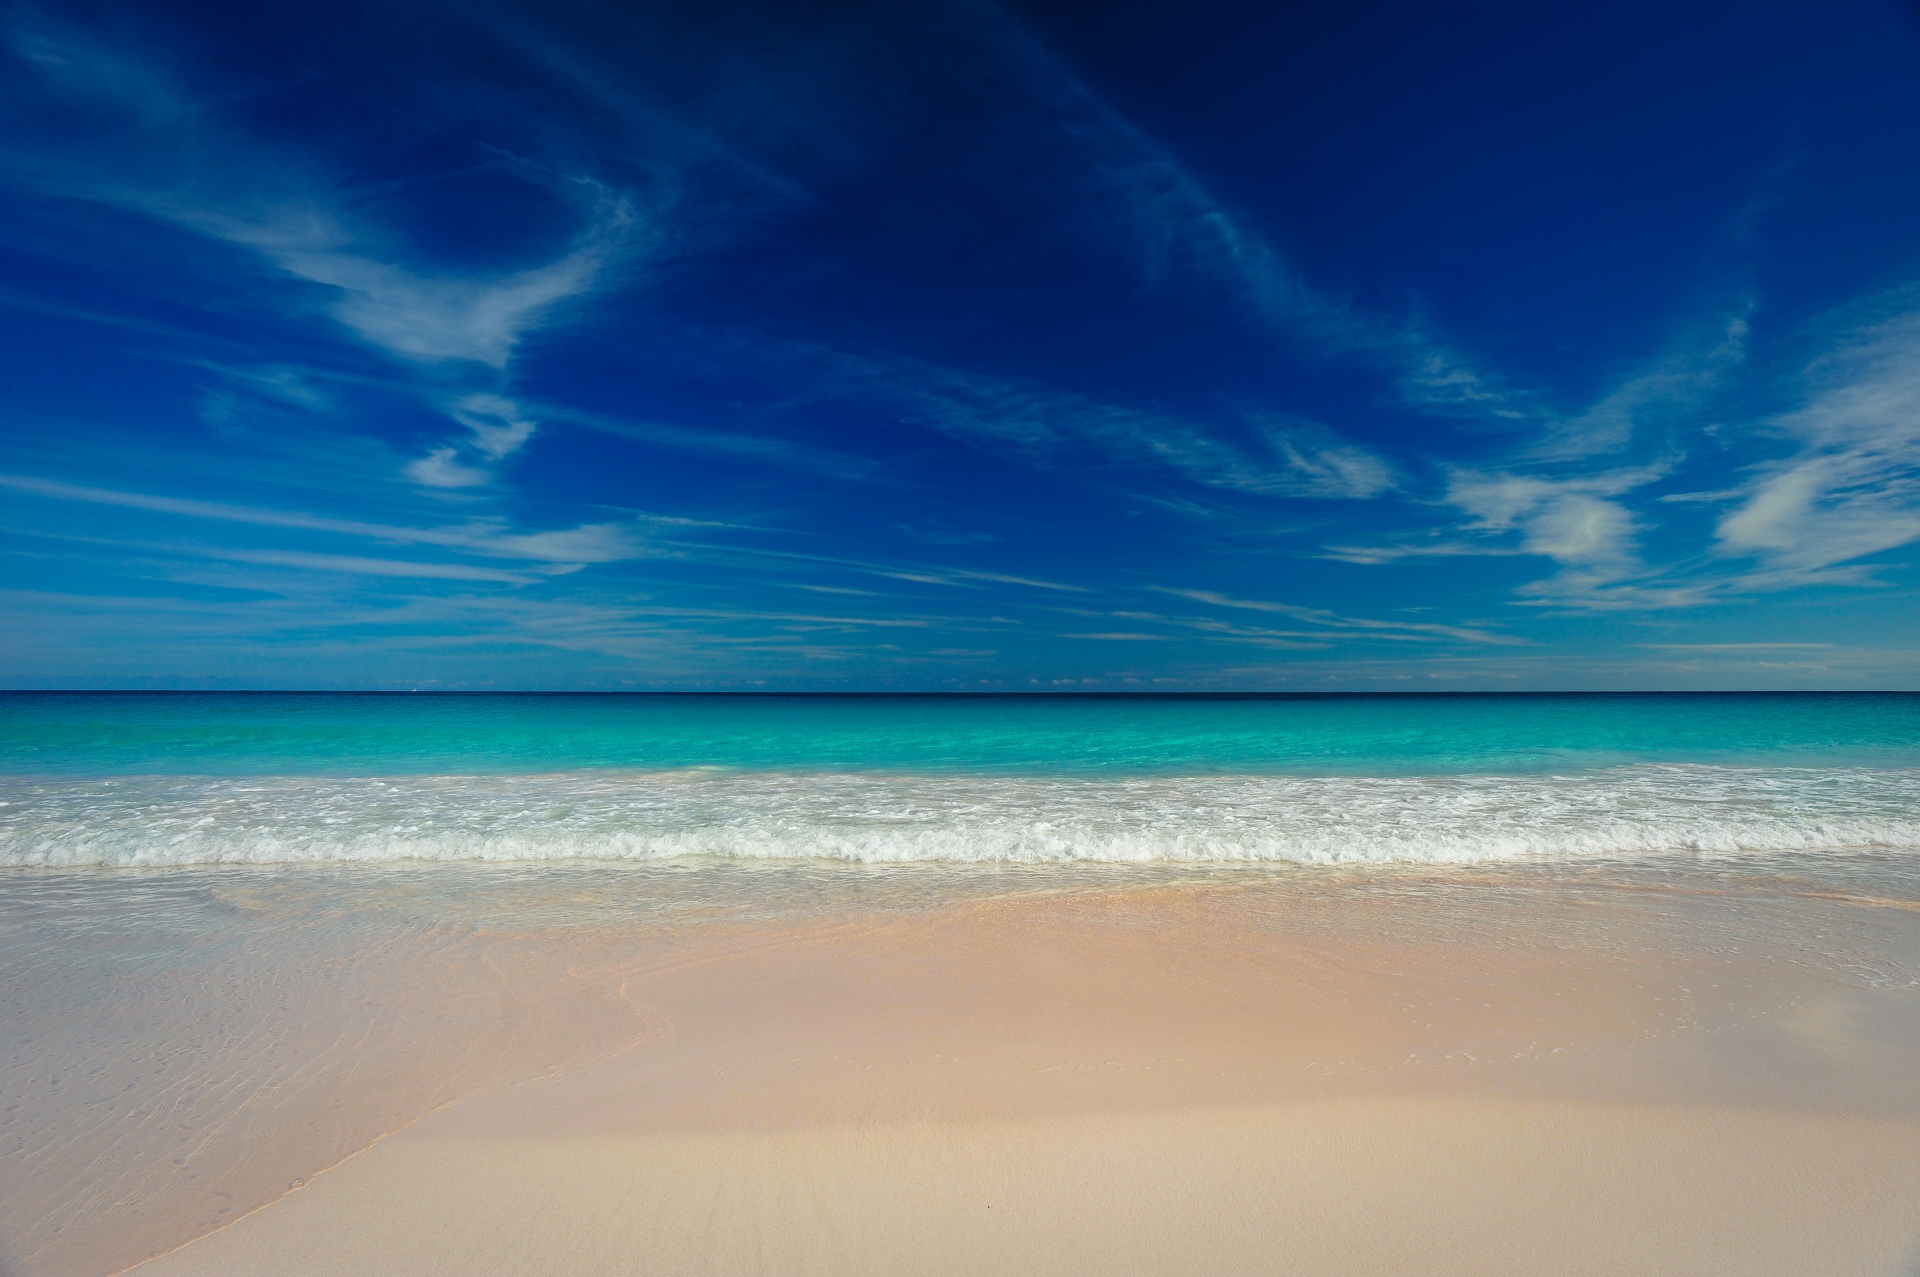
(156, 780)
(328, 734)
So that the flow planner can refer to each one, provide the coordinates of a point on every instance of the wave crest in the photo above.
(886, 818)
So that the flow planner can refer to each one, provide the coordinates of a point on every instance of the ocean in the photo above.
(159, 780)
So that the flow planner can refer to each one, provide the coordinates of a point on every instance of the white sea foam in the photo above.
(882, 817)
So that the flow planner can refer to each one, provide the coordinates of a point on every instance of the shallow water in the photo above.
(259, 779)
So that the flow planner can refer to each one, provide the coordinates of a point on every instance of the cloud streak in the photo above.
(1179, 225)
(559, 548)
(1272, 457)
(1335, 621)
(1669, 392)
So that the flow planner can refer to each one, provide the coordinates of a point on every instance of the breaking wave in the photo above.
(889, 817)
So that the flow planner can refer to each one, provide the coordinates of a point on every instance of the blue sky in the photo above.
(960, 346)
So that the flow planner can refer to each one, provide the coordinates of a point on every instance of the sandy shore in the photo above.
(1406, 1185)
(1168, 1081)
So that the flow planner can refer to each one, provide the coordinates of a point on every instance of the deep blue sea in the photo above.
(267, 778)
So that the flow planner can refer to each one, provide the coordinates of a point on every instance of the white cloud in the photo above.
(1574, 521)
(1579, 528)
(1579, 522)
(441, 469)
(498, 428)
(1853, 489)
(435, 320)
(414, 316)
(1317, 464)
(587, 543)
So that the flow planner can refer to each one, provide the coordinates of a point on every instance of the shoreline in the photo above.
(1417, 1074)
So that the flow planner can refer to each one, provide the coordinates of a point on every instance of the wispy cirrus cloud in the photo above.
(563, 548)
(1580, 522)
(177, 157)
(1335, 621)
(281, 383)
(497, 428)
(917, 573)
(1215, 629)
(421, 317)
(962, 576)
(1740, 647)
(363, 565)
(1270, 455)
(188, 162)
(1180, 227)
(1555, 496)
(1317, 463)
(1852, 489)
(546, 553)
(498, 425)
(442, 468)
(761, 450)
(1668, 392)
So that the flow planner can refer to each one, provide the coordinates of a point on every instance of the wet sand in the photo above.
(1446, 1073)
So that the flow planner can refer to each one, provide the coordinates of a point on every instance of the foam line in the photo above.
(882, 818)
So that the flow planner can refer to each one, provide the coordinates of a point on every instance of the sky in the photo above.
(958, 346)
